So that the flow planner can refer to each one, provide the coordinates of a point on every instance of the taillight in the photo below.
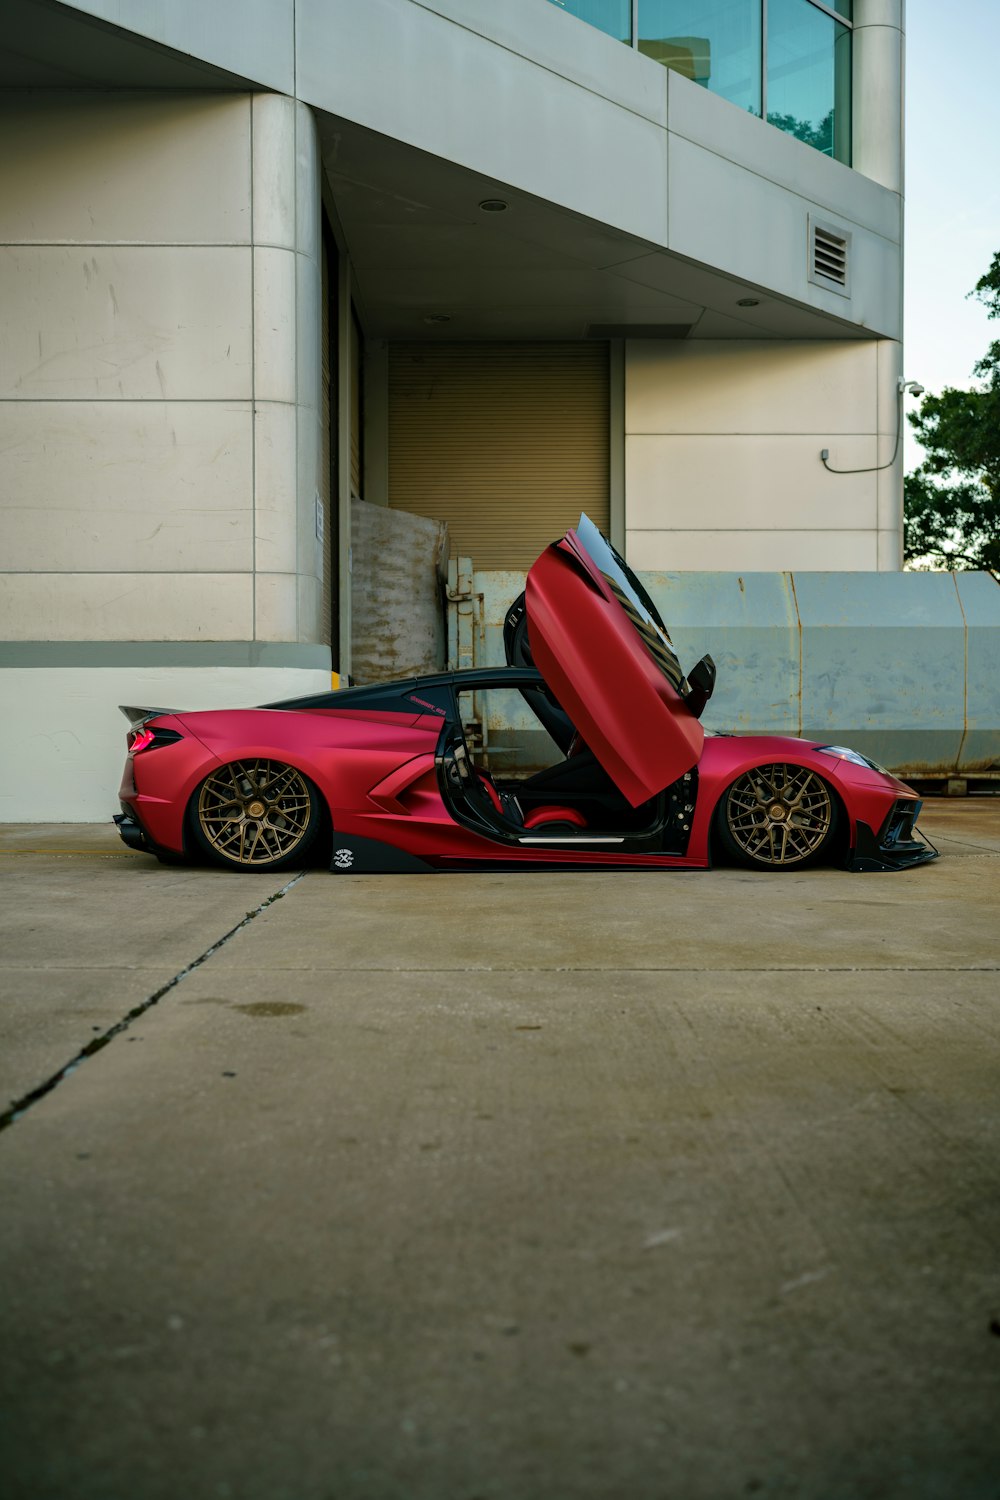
(143, 738)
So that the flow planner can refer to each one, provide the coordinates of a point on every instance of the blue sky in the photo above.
(952, 187)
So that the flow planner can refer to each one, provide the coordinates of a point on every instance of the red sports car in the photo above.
(586, 751)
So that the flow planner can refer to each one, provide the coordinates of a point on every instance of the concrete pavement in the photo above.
(507, 1186)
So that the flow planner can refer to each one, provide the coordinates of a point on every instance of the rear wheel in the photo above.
(256, 815)
(777, 817)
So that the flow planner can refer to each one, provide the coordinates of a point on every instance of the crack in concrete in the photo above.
(20, 1106)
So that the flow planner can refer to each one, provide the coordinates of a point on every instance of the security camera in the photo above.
(916, 389)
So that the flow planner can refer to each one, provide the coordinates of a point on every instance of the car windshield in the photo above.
(634, 600)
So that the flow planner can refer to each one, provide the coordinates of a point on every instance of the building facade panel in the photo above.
(700, 117)
(753, 386)
(274, 346)
(125, 322)
(449, 90)
(252, 39)
(95, 168)
(759, 232)
(275, 606)
(275, 487)
(699, 551)
(275, 183)
(123, 606)
(771, 482)
(142, 486)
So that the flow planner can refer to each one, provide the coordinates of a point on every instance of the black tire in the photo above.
(256, 815)
(778, 817)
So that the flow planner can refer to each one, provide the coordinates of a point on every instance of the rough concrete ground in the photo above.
(517, 1187)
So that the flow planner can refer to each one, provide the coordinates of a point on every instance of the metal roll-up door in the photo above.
(507, 443)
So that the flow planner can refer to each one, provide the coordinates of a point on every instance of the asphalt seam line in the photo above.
(635, 969)
(19, 1107)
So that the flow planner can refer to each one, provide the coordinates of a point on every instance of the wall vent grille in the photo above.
(830, 257)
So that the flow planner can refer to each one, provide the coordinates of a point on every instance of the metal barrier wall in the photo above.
(903, 666)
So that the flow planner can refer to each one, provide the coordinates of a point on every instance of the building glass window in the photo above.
(612, 16)
(786, 60)
(716, 43)
(809, 76)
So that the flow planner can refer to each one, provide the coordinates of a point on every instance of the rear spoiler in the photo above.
(137, 716)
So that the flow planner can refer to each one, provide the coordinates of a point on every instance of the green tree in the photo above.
(952, 501)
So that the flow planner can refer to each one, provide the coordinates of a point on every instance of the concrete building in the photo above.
(265, 263)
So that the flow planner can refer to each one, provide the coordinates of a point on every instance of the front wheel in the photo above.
(256, 815)
(777, 817)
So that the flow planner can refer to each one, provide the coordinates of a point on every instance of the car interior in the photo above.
(532, 789)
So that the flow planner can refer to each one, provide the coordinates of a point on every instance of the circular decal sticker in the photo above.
(343, 859)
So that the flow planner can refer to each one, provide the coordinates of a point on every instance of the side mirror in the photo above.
(701, 685)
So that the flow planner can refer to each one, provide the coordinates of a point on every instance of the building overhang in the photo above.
(441, 252)
(636, 203)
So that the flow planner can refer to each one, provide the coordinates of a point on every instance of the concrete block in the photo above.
(93, 167)
(125, 323)
(126, 606)
(753, 387)
(275, 607)
(274, 171)
(275, 522)
(147, 485)
(752, 551)
(313, 625)
(274, 324)
(64, 740)
(308, 206)
(773, 483)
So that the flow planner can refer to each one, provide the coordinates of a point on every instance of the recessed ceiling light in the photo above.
(494, 205)
(748, 302)
(438, 318)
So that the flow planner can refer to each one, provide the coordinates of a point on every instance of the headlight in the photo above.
(843, 752)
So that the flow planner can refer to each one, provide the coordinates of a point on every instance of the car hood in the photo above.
(605, 653)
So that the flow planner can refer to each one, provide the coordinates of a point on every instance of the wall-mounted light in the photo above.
(438, 318)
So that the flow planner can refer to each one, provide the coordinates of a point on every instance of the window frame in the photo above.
(821, 5)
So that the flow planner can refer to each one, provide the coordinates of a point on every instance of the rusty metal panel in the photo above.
(397, 576)
(979, 597)
(464, 616)
(748, 624)
(903, 666)
(883, 665)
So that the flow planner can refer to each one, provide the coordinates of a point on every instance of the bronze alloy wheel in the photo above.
(255, 814)
(776, 816)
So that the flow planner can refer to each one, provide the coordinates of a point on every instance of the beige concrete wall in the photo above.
(722, 466)
(158, 402)
(159, 423)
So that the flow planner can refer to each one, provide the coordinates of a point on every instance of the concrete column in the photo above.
(891, 414)
(878, 91)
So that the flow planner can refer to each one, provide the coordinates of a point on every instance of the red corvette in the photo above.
(586, 751)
